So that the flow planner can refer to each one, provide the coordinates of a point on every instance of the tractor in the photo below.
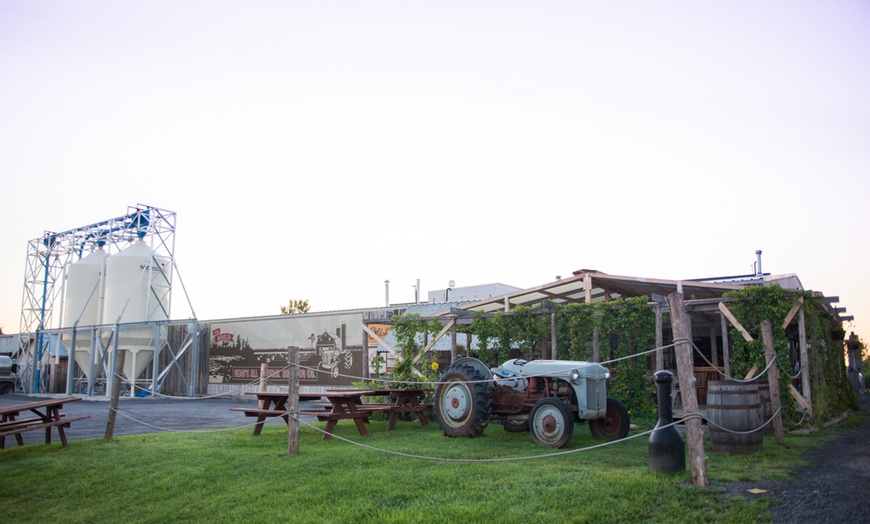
(543, 397)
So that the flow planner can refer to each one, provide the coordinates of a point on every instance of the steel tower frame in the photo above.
(48, 260)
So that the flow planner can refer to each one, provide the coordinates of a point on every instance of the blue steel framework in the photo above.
(49, 257)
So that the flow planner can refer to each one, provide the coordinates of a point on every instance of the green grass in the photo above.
(235, 477)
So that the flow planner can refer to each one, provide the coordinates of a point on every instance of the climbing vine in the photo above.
(408, 330)
(523, 329)
(625, 327)
(830, 387)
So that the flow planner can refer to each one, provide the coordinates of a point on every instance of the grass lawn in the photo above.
(231, 476)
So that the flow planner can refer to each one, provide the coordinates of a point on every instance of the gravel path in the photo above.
(834, 487)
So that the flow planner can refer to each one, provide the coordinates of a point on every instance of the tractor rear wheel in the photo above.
(614, 425)
(462, 403)
(551, 423)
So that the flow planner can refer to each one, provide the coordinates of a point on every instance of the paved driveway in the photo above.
(141, 415)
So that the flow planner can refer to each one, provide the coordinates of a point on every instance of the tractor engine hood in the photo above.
(570, 370)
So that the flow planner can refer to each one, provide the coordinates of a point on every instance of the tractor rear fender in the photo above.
(471, 361)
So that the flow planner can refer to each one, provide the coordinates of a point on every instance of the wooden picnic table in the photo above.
(344, 404)
(46, 415)
(407, 400)
(272, 404)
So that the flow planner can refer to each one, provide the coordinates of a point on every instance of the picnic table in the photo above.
(272, 404)
(344, 404)
(44, 414)
(407, 400)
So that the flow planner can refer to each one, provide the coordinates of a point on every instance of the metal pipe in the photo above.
(387, 293)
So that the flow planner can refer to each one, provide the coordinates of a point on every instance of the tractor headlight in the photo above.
(607, 374)
(575, 375)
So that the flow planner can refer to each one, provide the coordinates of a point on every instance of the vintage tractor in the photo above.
(543, 397)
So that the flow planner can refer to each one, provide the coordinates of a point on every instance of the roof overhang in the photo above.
(594, 286)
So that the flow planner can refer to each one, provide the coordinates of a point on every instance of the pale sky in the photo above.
(312, 150)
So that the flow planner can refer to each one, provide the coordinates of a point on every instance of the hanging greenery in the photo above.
(625, 327)
(831, 393)
(523, 329)
(408, 330)
(753, 305)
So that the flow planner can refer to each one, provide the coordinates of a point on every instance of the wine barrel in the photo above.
(766, 407)
(733, 412)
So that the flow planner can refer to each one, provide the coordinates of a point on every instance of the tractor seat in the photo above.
(504, 373)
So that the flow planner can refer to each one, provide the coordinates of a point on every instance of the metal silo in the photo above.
(83, 304)
(137, 290)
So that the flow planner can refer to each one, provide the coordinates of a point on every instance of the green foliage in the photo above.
(831, 391)
(501, 332)
(753, 305)
(408, 329)
(233, 477)
(625, 327)
(296, 306)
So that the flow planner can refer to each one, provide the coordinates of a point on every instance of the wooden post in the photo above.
(686, 371)
(293, 401)
(264, 370)
(714, 347)
(660, 340)
(452, 342)
(596, 347)
(553, 335)
(726, 351)
(773, 380)
(806, 387)
(116, 393)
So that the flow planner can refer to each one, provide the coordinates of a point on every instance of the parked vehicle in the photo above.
(8, 375)
(543, 397)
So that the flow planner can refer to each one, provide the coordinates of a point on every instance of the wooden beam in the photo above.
(792, 312)
(726, 351)
(682, 331)
(377, 338)
(773, 380)
(440, 334)
(800, 399)
(805, 362)
(731, 318)
(660, 339)
(751, 373)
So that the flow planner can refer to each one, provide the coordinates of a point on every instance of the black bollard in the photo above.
(667, 450)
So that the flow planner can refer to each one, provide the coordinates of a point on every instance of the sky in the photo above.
(313, 150)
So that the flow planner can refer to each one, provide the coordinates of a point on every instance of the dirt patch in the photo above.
(834, 486)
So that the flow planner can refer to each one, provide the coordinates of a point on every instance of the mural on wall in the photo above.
(330, 349)
(381, 360)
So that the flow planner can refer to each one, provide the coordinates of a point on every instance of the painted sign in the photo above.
(330, 349)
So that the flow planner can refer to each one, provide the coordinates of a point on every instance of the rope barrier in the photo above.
(687, 416)
(727, 377)
(230, 393)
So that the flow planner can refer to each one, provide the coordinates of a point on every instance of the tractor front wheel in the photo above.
(614, 425)
(551, 423)
(462, 403)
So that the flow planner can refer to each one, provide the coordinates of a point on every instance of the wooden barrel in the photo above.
(733, 409)
(766, 407)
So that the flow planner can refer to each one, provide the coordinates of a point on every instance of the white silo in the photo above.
(137, 290)
(83, 303)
